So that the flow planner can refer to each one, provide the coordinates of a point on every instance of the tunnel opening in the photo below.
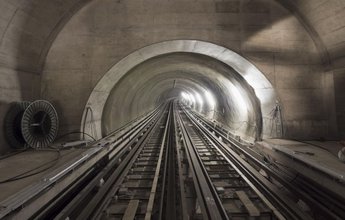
(221, 85)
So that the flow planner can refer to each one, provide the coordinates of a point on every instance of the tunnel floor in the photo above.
(171, 157)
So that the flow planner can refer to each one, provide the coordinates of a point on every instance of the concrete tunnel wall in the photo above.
(58, 50)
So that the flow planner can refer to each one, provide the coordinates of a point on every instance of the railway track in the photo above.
(323, 202)
(216, 178)
(128, 187)
(138, 190)
(171, 165)
(238, 191)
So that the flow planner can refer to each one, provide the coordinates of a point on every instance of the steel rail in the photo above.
(274, 196)
(97, 204)
(150, 204)
(73, 205)
(209, 201)
(167, 198)
(315, 196)
(171, 209)
(51, 185)
(183, 205)
(319, 200)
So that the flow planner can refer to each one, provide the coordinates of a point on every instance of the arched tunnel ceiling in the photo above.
(231, 89)
(203, 78)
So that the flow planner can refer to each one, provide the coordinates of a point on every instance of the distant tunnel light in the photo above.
(199, 99)
(188, 98)
(184, 95)
(210, 99)
(192, 98)
(185, 98)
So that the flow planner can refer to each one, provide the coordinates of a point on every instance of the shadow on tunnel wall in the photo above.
(3, 143)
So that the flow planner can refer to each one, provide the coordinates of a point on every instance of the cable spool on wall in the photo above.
(39, 124)
(12, 124)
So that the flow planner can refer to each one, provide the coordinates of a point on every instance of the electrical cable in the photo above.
(92, 121)
(62, 147)
(75, 132)
(232, 122)
(315, 145)
(22, 175)
(13, 153)
(23, 150)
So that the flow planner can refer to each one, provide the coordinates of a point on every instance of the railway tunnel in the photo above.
(172, 109)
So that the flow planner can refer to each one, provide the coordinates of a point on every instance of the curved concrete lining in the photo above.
(134, 98)
(263, 89)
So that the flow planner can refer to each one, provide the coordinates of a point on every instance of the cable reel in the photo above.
(12, 124)
(38, 125)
